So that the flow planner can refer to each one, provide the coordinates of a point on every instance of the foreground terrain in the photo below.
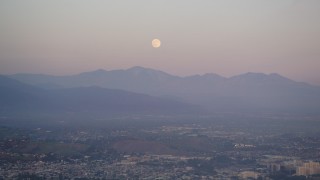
(223, 146)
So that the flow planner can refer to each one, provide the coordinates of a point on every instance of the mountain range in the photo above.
(246, 92)
(23, 100)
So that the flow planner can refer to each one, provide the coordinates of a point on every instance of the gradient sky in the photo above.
(227, 37)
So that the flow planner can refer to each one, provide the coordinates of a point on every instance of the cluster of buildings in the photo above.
(200, 152)
(130, 167)
(308, 168)
(152, 167)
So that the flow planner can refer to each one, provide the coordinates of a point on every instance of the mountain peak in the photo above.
(254, 74)
(261, 77)
(143, 70)
(212, 75)
(96, 72)
(99, 71)
(138, 68)
(250, 76)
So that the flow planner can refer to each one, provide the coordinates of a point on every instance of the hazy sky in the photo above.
(227, 37)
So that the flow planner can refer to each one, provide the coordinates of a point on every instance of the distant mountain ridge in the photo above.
(19, 99)
(249, 91)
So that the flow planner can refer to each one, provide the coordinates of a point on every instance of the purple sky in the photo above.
(227, 37)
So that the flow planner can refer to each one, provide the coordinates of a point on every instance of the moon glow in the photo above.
(156, 43)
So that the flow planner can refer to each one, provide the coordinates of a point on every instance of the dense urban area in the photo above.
(224, 146)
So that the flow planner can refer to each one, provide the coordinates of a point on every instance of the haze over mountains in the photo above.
(22, 100)
(246, 92)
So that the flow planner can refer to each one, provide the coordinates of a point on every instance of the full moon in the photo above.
(156, 43)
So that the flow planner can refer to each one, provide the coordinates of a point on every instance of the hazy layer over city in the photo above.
(227, 37)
